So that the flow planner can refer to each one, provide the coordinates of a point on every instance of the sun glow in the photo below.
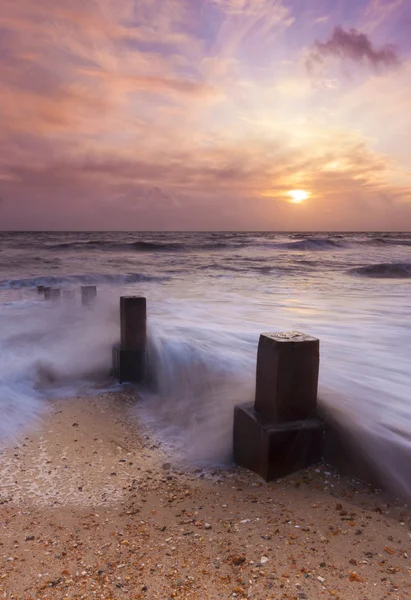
(298, 196)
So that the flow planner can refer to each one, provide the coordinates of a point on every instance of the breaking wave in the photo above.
(384, 270)
(143, 246)
(157, 246)
(312, 244)
(386, 241)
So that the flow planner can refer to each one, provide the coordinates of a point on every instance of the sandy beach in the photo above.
(92, 507)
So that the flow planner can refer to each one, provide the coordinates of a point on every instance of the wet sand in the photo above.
(92, 507)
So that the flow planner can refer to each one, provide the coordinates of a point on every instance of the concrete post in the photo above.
(129, 357)
(47, 292)
(88, 294)
(40, 289)
(280, 433)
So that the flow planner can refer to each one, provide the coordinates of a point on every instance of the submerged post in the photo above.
(40, 289)
(129, 357)
(281, 433)
(55, 295)
(88, 294)
(47, 292)
(69, 296)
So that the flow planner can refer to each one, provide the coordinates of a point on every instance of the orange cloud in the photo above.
(194, 110)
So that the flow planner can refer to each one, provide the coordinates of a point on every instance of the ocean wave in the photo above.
(263, 269)
(384, 270)
(86, 279)
(11, 262)
(143, 246)
(89, 245)
(157, 246)
(387, 241)
(312, 244)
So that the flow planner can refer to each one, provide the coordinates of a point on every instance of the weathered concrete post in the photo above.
(281, 433)
(55, 295)
(129, 357)
(69, 296)
(88, 294)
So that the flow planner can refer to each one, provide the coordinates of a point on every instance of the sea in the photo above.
(209, 297)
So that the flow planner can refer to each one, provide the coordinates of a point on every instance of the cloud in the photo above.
(355, 46)
(184, 113)
(239, 185)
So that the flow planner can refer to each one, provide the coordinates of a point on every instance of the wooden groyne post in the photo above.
(129, 357)
(88, 295)
(40, 289)
(280, 432)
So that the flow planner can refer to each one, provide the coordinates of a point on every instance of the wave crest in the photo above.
(384, 270)
(144, 246)
(312, 244)
(387, 241)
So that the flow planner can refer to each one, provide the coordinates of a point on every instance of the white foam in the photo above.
(50, 352)
(204, 333)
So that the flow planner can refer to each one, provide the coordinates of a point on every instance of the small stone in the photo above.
(321, 579)
(207, 526)
(263, 560)
(29, 538)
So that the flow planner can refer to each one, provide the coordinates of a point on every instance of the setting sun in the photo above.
(297, 196)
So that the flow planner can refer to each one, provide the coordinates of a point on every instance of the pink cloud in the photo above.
(148, 110)
(355, 46)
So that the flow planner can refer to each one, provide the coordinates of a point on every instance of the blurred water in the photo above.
(209, 298)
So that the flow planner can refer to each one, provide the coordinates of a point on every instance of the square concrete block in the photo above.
(128, 365)
(275, 449)
(287, 376)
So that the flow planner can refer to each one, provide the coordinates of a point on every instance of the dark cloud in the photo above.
(353, 45)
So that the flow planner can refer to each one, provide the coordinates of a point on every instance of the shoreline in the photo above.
(92, 507)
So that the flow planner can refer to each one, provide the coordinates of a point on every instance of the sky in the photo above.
(205, 115)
